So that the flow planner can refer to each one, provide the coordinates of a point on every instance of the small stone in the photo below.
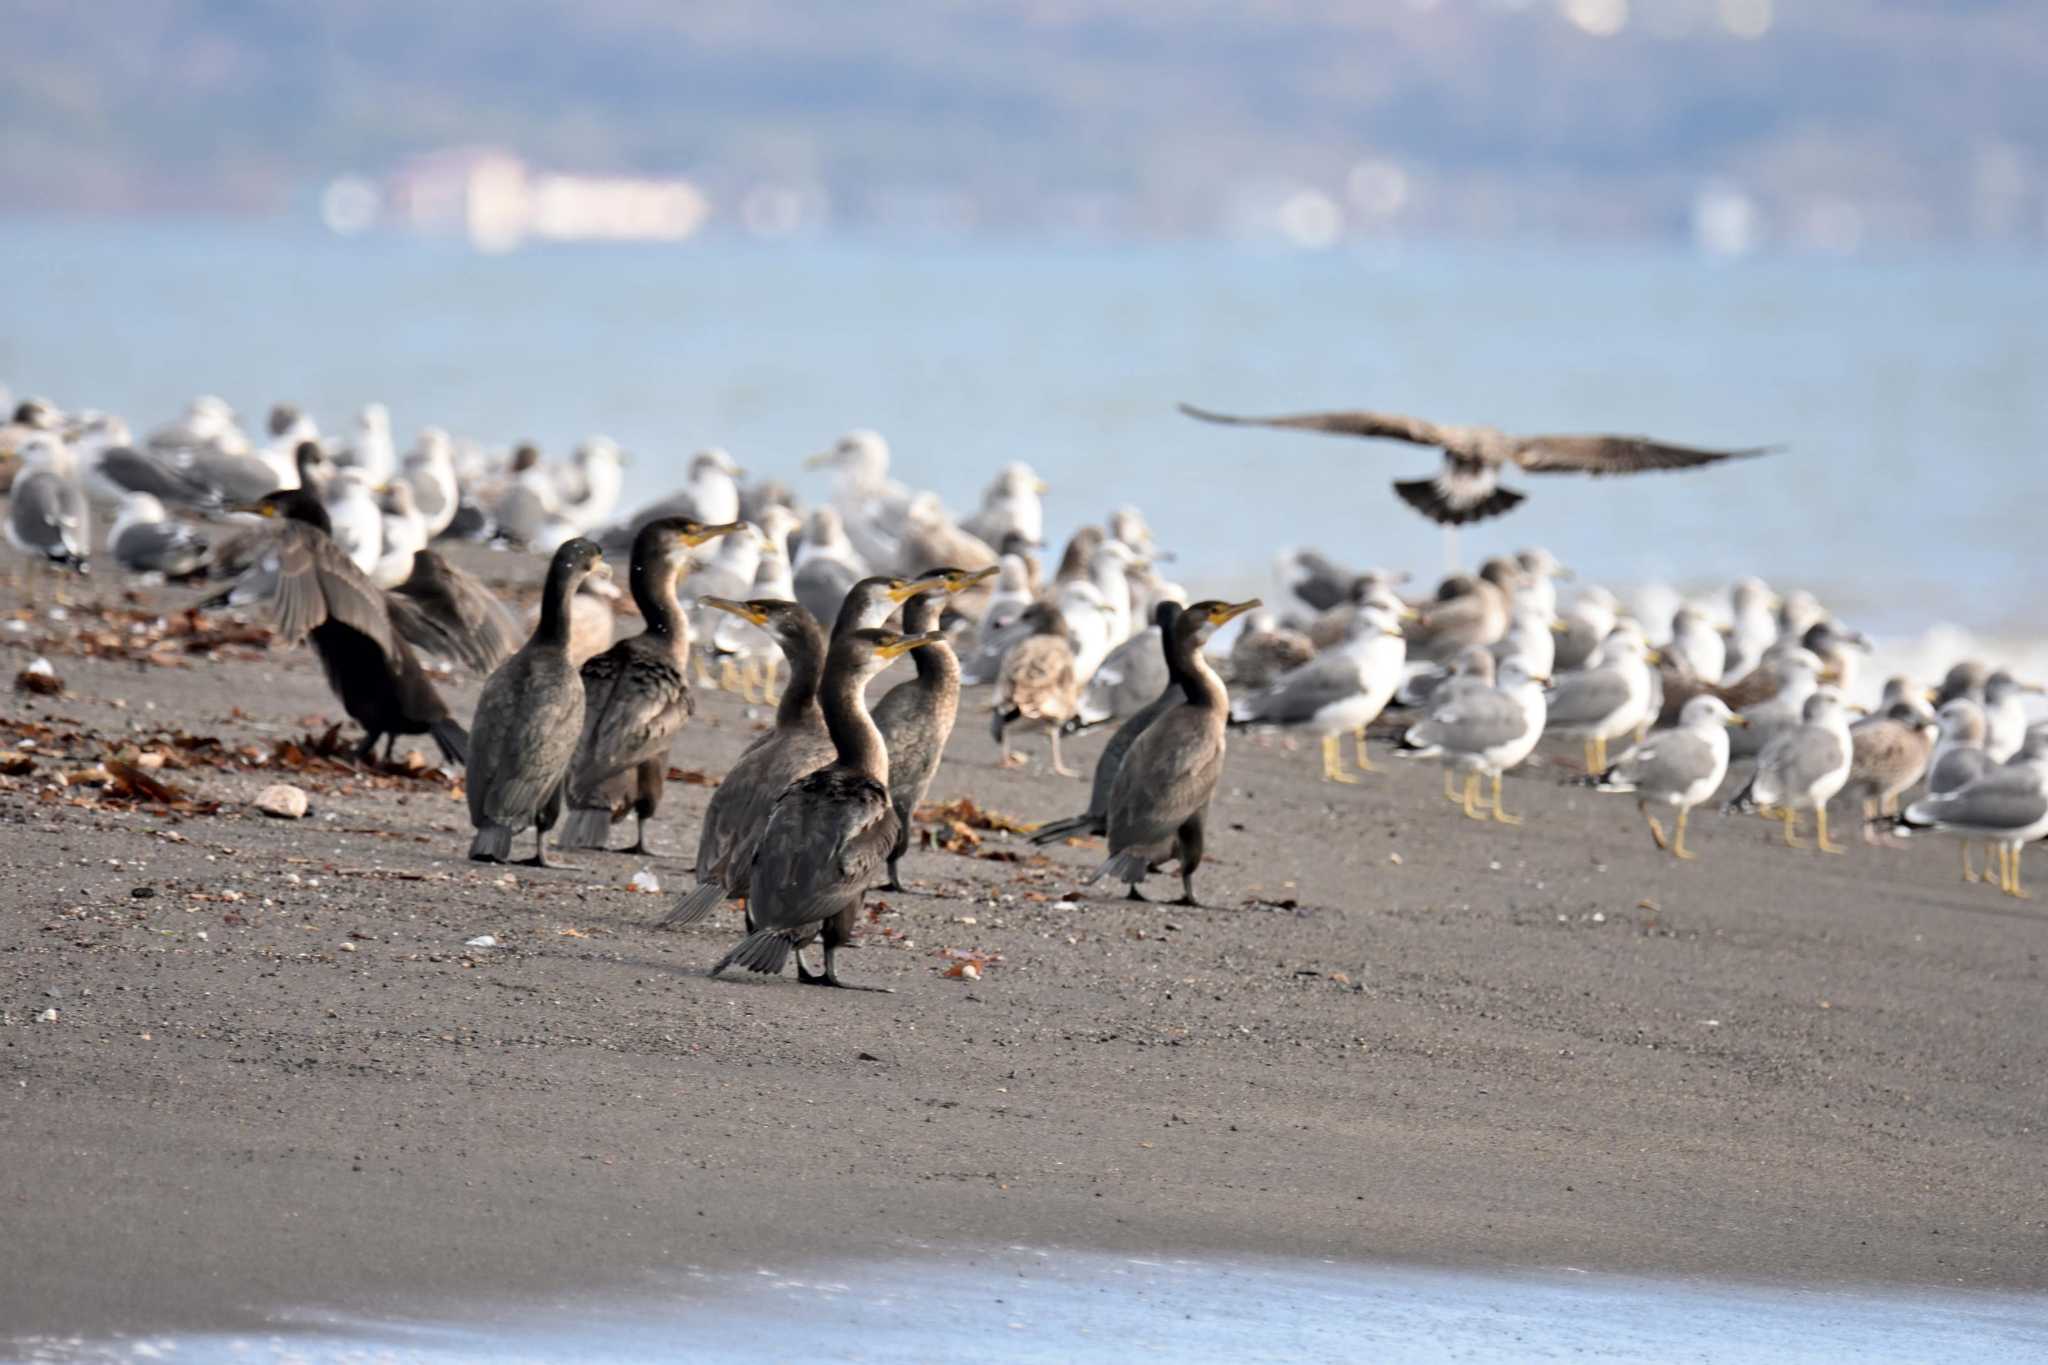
(282, 801)
(143, 893)
(1394, 858)
(481, 941)
(348, 947)
(1599, 917)
(40, 679)
(47, 1017)
(645, 881)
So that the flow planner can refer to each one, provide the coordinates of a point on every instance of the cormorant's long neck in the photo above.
(654, 593)
(554, 607)
(1198, 681)
(806, 656)
(938, 668)
(853, 731)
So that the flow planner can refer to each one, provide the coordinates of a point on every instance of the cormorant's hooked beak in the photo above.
(903, 644)
(704, 534)
(739, 609)
(903, 589)
(961, 581)
(1230, 611)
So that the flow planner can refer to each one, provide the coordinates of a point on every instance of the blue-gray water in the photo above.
(1029, 1305)
(1913, 393)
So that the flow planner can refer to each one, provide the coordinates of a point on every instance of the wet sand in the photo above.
(277, 1075)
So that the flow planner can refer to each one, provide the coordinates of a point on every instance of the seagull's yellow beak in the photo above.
(1559, 628)
(1653, 657)
(1932, 694)
(1040, 487)
(704, 534)
(1410, 614)
(745, 611)
(1737, 719)
(903, 644)
(821, 459)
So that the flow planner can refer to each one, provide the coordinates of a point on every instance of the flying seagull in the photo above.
(1468, 486)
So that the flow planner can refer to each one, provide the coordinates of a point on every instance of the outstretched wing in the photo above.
(1617, 454)
(318, 582)
(1393, 426)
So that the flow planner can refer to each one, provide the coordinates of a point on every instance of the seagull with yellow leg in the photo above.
(1803, 769)
(1341, 689)
(1482, 733)
(2007, 808)
(1679, 768)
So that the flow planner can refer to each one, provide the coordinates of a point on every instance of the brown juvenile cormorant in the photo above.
(1160, 798)
(636, 694)
(828, 836)
(318, 594)
(528, 721)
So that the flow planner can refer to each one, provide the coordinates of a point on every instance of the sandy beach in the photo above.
(248, 1063)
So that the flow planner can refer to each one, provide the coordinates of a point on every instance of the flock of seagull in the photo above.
(738, 584)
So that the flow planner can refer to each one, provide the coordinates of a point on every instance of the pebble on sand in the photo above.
(282, 800)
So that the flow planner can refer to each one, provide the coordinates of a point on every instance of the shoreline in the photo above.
(1458, 1046)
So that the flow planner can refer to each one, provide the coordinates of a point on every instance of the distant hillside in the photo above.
(1859, 119)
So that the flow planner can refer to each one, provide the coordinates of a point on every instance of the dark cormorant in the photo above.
(1095, 820)
(916, 717)
(528, 721)
(828, 836)
(1160, 798)
(798, 744)
(320, 594)
(450, 614)
(636, 694)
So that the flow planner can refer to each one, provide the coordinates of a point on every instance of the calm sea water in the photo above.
(1020, 1304)
(1913, 393)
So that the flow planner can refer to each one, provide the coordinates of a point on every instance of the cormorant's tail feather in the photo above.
(585, 827)
(1426, 497)
(764, 951)
(453, 740)
(1129, 866)
(493, 844)
(1055, 830)
(695, 906)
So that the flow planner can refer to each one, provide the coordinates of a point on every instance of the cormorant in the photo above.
(798, 744)
(636, 694)
(829, 834)
(319, 594)
(916, 717)
(528, 721)
(1095, 820)
(1160, 799)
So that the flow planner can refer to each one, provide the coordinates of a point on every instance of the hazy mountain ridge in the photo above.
(1137, 115)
